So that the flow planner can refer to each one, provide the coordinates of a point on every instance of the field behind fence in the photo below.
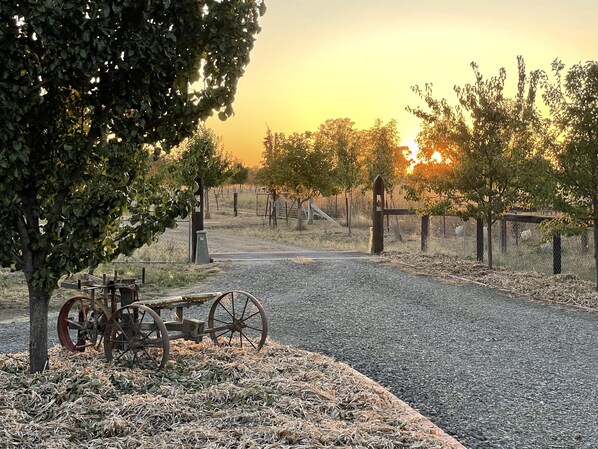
(524, 250)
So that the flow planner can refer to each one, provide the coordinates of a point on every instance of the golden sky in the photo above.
(322, 59)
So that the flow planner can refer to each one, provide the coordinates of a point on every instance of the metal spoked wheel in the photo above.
(136, 336)
(237, 318)
(81, 324)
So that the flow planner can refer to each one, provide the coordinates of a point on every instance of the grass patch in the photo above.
(160, 278)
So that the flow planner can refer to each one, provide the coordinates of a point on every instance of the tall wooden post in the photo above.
(196, 218)
(556, 254)
(425, 232)
(503, 236)
(378, 216)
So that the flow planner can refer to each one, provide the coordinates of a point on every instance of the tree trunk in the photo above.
(300, 223)
(596, 251)
(489, 224)
(347, 212)
(207, 195)
(38, 330)
(595, 201)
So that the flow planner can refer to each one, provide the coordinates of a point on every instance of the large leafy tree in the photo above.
(339, 138)
(90, 92)
(306, 170)
(491, 145)
(270, 172)
(294, 164)
(573, 101)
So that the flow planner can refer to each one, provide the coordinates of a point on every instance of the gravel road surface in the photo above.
(492, 370)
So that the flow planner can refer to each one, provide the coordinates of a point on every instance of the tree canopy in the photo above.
(573, 102)
(90, 94)
(490, 145)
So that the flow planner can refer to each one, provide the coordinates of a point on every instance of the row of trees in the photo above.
(479, 157)
(337, 158)
(498, 152)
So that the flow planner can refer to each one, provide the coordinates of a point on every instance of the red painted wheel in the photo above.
(137, 337)
(237, 318)
(81, 324)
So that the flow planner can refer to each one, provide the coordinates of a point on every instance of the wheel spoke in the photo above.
(252, 315)
(122, 354)
(250, 342)
(223, 333)
(254, 328)
(76, 324)
(227, 311)
(232, 300)
(220, 321)
(245, 307)
(150, 357)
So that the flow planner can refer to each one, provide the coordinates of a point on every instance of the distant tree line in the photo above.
(335, 159)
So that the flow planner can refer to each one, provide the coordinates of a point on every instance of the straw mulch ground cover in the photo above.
(207, 397)
(561, 288)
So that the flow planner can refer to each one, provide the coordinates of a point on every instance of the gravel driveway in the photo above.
(492, 370)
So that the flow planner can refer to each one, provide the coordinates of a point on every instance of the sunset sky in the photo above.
(321, 59)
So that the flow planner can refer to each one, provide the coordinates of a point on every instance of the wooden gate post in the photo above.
(378, 216)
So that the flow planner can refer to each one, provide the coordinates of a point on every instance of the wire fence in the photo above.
(522, 248)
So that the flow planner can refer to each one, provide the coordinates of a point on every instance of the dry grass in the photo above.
(207, 397)
(560, 288)
(161, 279)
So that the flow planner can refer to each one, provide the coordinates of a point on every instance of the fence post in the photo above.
(235, 203)
(480, 239)
(556, 254)
(378, 216)
(503, 236)
(425, 232)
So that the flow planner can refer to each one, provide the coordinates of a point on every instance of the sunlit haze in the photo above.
(321, 59)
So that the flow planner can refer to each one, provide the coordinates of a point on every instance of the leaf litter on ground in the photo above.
(208, 397)
(559, 288)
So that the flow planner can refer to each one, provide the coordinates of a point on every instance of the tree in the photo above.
(239, 174)
(305, 170)
(339, 138)
(90, 92)
(573, 103)
(270, 172)
(381, 155)
(492, 146)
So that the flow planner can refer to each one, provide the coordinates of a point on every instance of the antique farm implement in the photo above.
(138, 332)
